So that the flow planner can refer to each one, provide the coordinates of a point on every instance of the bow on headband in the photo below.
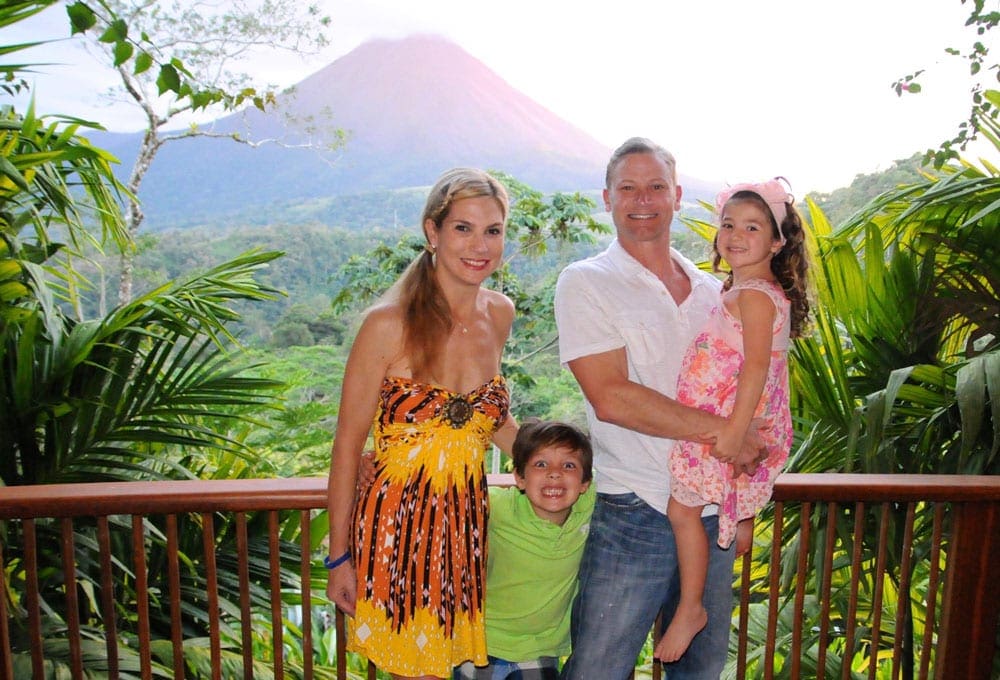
(773, 193)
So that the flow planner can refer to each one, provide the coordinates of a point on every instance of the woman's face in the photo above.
(469, 244)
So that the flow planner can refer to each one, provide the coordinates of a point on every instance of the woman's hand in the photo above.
(341, 587)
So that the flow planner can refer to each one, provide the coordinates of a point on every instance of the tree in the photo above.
(149, 391)
(984, 111)
(197, 47)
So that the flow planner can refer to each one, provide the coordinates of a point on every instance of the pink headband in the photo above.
(773, 193)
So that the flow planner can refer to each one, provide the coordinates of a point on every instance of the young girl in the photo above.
(737, 366)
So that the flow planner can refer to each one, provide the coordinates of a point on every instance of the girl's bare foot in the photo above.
(683, 627)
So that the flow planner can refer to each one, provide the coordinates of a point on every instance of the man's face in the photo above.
(642, 198)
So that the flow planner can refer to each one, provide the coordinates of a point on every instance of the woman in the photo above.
(408, 560)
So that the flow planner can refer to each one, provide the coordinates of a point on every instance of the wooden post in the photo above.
(967, 636)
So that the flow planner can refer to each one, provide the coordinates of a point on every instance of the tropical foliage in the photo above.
(149, 391)
(206, 41)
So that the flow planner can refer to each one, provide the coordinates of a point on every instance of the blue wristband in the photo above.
(333, 564)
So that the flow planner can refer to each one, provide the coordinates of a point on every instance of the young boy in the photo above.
(536, 537)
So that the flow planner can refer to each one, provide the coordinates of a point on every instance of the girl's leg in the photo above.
(692, 560)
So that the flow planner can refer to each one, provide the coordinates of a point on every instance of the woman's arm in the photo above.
(369, 359)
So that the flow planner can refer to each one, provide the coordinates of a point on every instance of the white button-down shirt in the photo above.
(611, 301)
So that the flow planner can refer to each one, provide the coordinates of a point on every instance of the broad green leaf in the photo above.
(81, 17)
(168, 80)
(123, 51)
(143, 62)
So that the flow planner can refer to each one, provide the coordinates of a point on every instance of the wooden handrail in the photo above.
(843, 487)
(304, 493)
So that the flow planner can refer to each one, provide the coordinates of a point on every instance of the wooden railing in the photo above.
(879, 574)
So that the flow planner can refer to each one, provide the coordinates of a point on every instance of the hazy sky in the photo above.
(737, 89)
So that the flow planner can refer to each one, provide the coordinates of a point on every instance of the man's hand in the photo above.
(753, 452)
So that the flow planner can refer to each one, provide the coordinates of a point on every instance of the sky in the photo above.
(738, 90)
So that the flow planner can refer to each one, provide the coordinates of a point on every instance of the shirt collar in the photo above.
(622, 257)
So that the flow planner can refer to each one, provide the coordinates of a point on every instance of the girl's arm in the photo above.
(366, 367)
(756, 311)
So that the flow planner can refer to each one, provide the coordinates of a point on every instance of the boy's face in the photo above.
(552, 481)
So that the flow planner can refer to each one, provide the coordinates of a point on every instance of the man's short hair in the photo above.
(635, 145)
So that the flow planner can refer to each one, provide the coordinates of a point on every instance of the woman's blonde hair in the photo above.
(427, 318)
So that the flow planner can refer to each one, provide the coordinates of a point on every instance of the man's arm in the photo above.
(618, 400)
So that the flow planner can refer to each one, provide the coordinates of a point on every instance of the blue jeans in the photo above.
(543, 668)
(628, 572)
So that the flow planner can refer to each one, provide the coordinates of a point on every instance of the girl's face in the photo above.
(469, 244)
(552, 481)
(746, 239)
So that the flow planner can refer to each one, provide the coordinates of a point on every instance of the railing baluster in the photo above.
(174, 587)
(657, 667)
(883, 541)
(773, 600)
(142, 596)
(741, 641)
(6, 655)
(212, 592)
(340, 625)
(794, 658)
(932, 591)
(108, 612)
(305, 574)
(902, 599)
(852, 605)
(826, 586)
(243, 562)
(33, 597)
(278, 643)
(72, 603)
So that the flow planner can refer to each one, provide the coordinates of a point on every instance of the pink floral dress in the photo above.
(708, 381)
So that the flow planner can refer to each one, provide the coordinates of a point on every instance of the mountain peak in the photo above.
(411, 108)
(425, 94)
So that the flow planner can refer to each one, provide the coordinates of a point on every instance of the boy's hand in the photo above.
(366, 470)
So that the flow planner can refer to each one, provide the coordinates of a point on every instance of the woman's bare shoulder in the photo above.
(498, 303)
(382, 326)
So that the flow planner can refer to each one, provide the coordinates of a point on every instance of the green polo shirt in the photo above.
(531, 575)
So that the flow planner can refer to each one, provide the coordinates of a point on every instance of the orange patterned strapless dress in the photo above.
(420, 528)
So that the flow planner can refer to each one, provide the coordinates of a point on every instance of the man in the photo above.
(625, 318)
